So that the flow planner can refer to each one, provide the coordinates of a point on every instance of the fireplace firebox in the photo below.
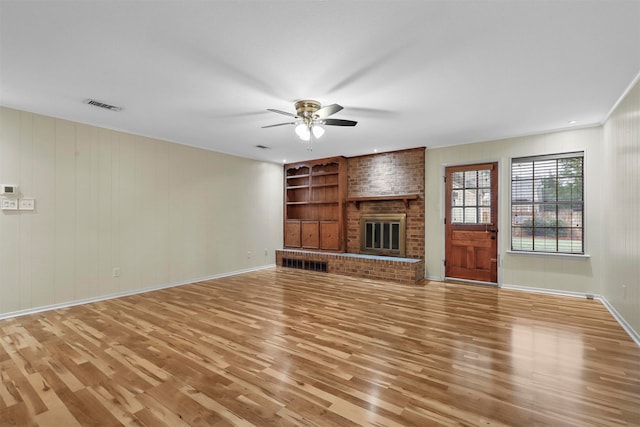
(383, 234)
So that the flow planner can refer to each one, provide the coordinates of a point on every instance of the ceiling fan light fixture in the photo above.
(310, 118)
(318, 131)
(303, 132)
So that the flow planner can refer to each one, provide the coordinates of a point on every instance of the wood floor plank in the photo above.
(286, 347)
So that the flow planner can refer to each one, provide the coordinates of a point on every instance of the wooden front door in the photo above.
(471, 222)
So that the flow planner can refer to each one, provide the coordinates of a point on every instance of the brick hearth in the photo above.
(401, 270)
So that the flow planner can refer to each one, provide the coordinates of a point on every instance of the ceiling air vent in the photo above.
(102, 105)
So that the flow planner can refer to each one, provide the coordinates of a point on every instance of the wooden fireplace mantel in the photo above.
(406, 198)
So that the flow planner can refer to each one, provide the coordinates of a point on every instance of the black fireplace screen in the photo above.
(383, 234)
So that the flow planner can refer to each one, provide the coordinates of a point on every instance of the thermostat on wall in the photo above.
(8, 190)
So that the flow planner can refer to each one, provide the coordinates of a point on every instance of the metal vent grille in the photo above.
(102, 105)
(304, 264)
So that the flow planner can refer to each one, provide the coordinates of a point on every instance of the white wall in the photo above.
(553, 272)
(163, 213)
(621, 286)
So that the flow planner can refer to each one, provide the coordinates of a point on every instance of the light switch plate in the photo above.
(26, 204)
(9, 204)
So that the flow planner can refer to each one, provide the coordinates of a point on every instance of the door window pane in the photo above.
(456, 198)
(471, 179)
(484, 178)
(457, 215)
(457, 180)
(470, 198)
(485, 215)
(470, 215)
(484, 197)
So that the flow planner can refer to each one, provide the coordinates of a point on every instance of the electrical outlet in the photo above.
(116, 272)
(27, 204)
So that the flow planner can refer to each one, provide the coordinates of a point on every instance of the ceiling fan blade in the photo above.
(339, 122)
(279, 124)
(327, 111)
(273, 110)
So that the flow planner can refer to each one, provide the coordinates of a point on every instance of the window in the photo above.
(547, 203)
(471, 197)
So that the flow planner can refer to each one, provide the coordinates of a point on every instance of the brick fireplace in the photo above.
(379, 186)
(387, 183)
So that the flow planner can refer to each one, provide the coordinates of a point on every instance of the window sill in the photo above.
(550, 254)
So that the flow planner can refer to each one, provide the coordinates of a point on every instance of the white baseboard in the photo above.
(126, 293)
(627, 328)
(546, 291)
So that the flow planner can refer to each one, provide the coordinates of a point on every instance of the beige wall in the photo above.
(163, 213)
(166, 213)
(612, 197)
(553, 272)
(621, 285)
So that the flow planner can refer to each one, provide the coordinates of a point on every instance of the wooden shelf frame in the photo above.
(406, 198)
(314, 209)
(306, 175)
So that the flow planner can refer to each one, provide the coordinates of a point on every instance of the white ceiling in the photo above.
(412, 73)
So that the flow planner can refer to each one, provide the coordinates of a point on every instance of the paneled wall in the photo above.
(161, 213)
(612, 197)
(621, 285)
(553, 272)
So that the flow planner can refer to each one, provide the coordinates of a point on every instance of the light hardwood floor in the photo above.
(287, 347)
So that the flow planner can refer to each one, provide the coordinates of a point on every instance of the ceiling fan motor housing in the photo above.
(306, 107)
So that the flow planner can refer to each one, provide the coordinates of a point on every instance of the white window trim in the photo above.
(585, 245)
(549, 254)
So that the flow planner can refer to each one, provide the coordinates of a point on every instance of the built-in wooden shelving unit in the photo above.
(314, 204)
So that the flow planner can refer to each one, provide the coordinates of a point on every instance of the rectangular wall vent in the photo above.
(102, 105)
(305, 265)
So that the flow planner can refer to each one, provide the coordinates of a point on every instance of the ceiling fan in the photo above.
(309, 118)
